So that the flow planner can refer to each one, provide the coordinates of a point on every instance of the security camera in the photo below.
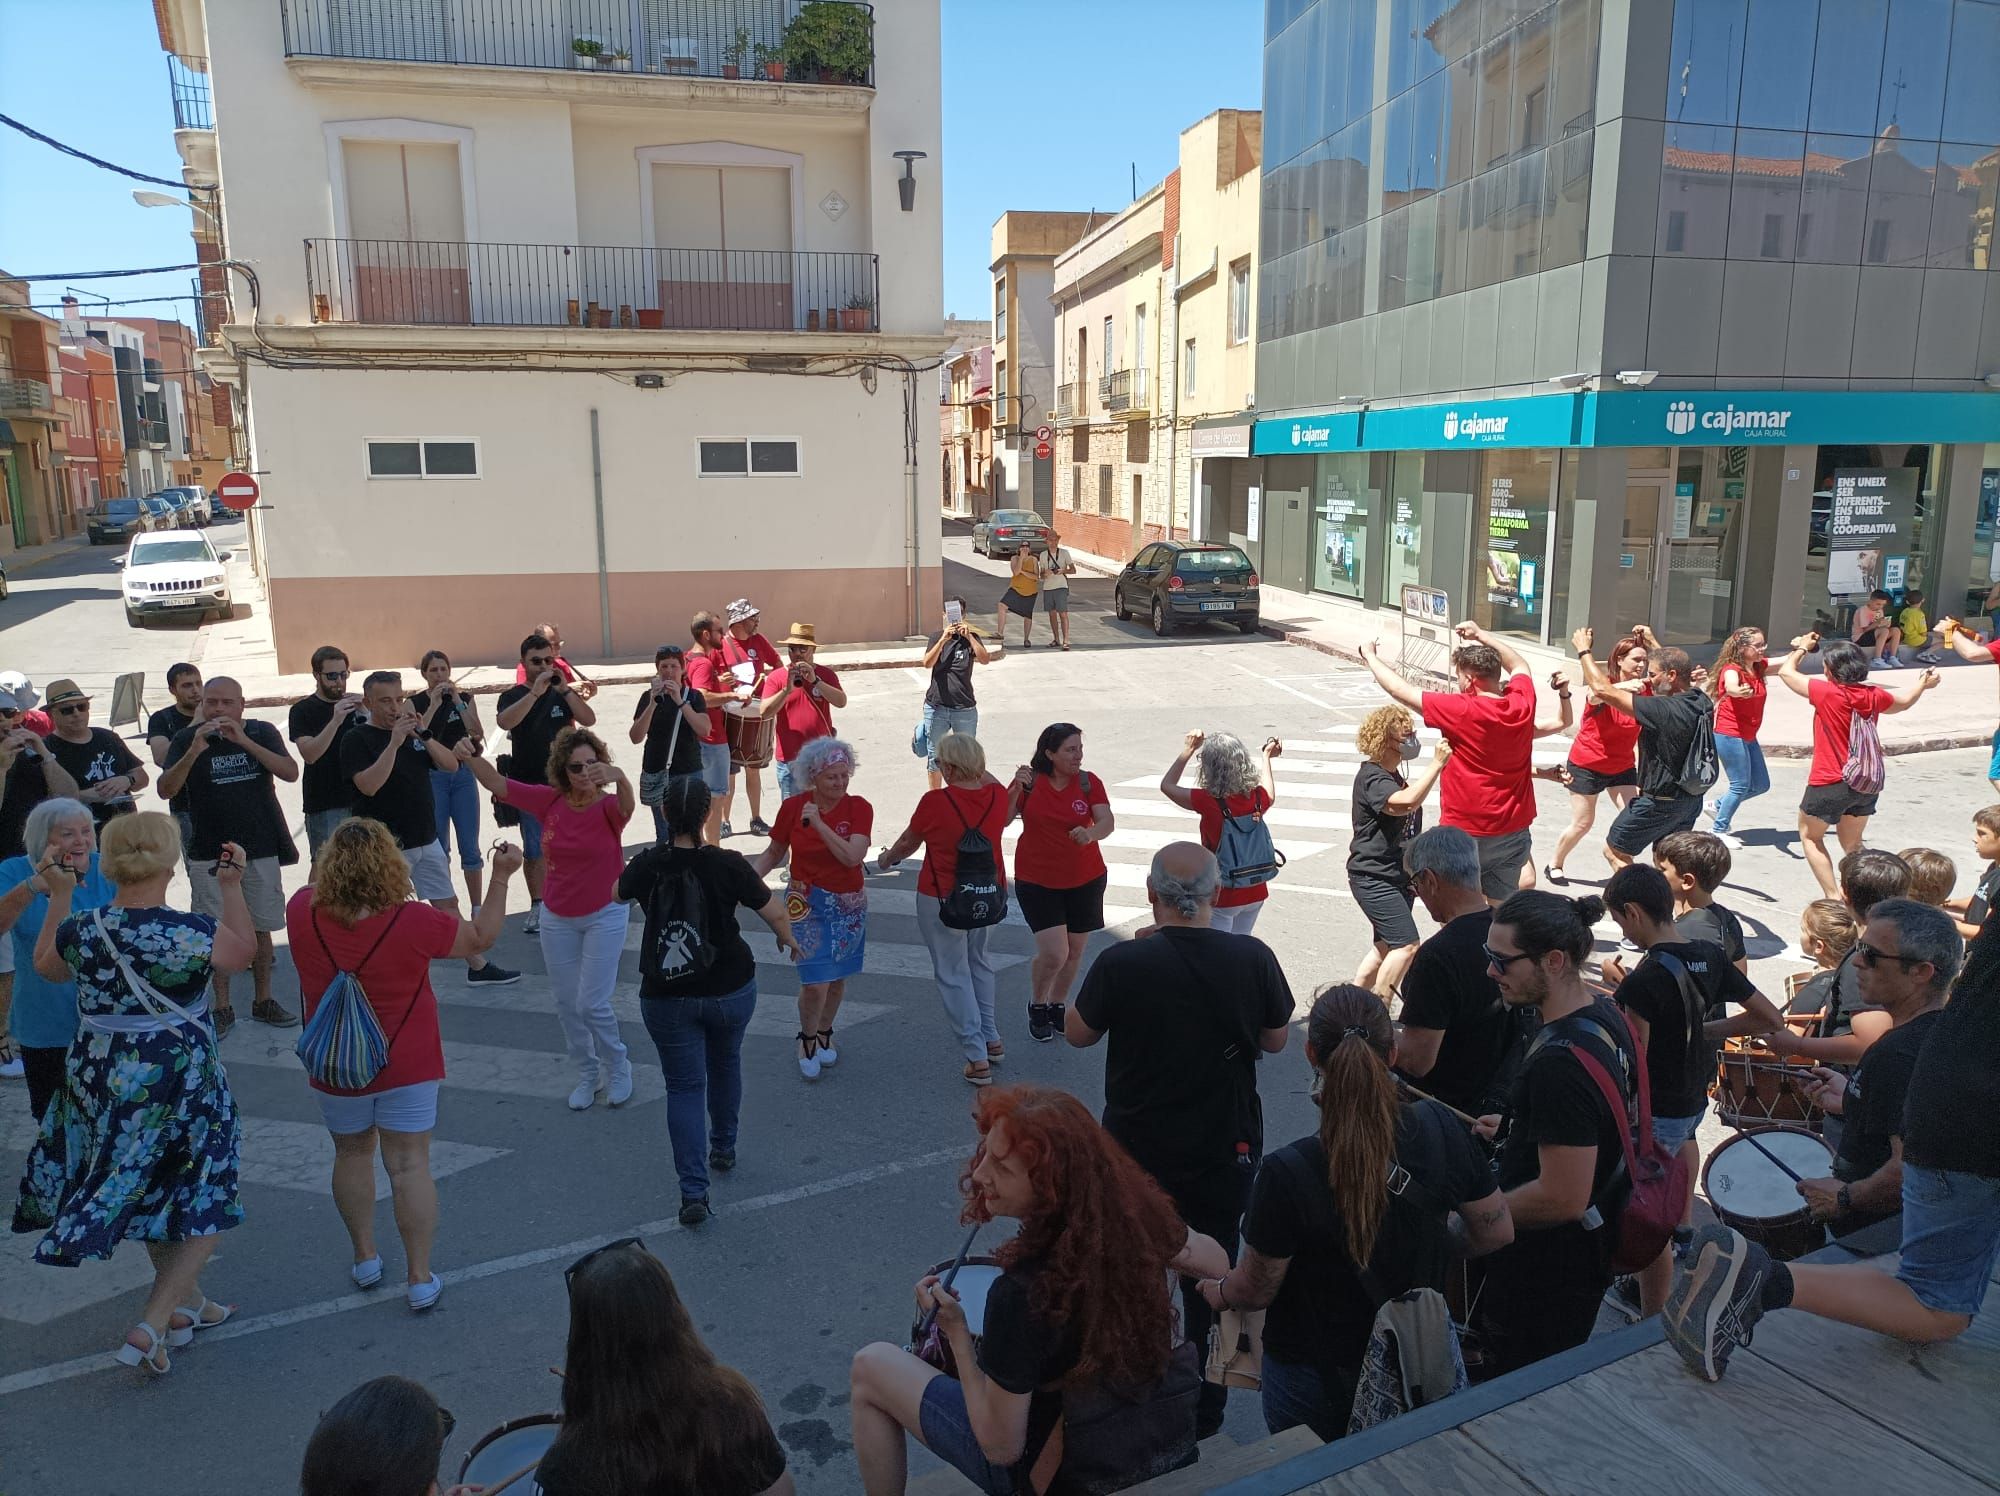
(1637, 379)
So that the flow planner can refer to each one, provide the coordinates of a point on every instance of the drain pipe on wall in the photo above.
(597, 506)
(910, 551)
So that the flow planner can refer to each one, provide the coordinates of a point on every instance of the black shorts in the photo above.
(1584, 781)
(1387, 904)
(1832, 802)
(1079, 910)
(1647, 819)
(1865, 640)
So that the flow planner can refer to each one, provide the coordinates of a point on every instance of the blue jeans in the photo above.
(1743, 761)
(939, 720)
(1294, 1393)
(456, 797)
(700, 1040)
(531, 836)
(1951, 1234)
(320, 825)
(787, 785)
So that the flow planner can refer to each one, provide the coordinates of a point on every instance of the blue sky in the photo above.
(1046, 105)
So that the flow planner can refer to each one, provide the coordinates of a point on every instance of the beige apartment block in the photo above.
(1153, 313)
(1026, 245)
(599, 310)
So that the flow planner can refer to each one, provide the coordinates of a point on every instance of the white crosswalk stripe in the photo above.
(1277, 815)
(903, 902)
(776, 1016)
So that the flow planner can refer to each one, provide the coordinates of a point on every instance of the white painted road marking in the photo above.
(776, 1016)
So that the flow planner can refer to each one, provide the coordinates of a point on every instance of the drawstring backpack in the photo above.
(342, 1046)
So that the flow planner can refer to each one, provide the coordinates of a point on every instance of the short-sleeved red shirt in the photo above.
(397, 979)
(1834, 706)
(756, 650)
(945, 815)
(1045, 855)
(804, 717)
(813, 862)
(1740, 717)
(1210, 810)
(706, 675)
(1488, 787)
(584, 847)
(1607, 740)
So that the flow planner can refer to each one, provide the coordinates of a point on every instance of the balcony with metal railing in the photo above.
(818, 42)
(405, 282)
(1126, 394)
(961, 421)
(1070, 403)
(187, 80)
(26, 399)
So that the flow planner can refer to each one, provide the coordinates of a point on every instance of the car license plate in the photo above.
(1223, 607)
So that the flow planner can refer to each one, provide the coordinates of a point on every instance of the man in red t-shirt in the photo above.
(803, 695)
(1838, 697)
(708, 675)
(1966, 642)
(750, 658)
(1489, 790)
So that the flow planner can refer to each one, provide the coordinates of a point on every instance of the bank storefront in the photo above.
(1694, 511)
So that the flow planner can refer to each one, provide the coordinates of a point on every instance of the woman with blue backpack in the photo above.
(374, 1056)
(1233, 794)
(961, 892)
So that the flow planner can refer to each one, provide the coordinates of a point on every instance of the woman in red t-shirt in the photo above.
(970, 800)
(1830, 802)
(359, 915)
(1737, 687)
(1232, 784)
(824, 832)
(1603, 757)
(1059, 875)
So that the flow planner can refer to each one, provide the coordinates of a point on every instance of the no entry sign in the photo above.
(237, 491)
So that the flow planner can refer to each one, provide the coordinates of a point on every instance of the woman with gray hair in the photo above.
(823, 831)
(44, 1013)
(1233, 791)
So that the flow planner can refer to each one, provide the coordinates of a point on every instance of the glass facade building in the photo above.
(1614, 311)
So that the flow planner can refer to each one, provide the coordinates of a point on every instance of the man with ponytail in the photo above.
(1564, 1146)
(1372, 1205)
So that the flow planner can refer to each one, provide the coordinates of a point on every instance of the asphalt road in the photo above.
(845, 1192)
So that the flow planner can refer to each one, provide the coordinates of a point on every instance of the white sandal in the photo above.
(153, 1357)
(180, 1335)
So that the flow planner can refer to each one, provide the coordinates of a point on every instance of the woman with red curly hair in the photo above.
(1082, 1319)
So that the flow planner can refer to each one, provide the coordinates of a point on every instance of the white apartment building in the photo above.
(603, 311)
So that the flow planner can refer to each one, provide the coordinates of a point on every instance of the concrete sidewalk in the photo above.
(1960, 713)
(27, 557)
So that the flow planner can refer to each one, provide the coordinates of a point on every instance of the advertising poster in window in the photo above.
(1343, 526)
(1517, 537)
(1871, 517)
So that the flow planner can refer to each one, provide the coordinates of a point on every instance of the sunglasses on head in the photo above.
(570, 1272)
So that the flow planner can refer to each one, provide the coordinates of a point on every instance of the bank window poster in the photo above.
(1343, 518)
(1870, 524)
(1987, 523)
(1516, 540)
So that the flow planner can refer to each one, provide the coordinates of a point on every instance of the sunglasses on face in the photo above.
(334, 674)
(1866, 955)
(570, 1272)
(1499, 961)
(578, 766)
(71, 711)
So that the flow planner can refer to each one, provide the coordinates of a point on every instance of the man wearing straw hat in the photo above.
(803, 695)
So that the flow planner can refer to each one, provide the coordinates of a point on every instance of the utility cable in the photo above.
(98, 161)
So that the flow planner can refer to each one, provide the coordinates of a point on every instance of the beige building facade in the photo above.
(1026, 245)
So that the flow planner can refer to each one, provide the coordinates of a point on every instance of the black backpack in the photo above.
(677, 943)
(975, 898)
(1702, 766)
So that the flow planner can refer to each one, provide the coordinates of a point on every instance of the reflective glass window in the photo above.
(1345, 177)
(1454, 219)
(1420, 263)
(1695, 171)
(1406, 44)
(1916, 50)
(1971, 95)
(1429, 124)
(1900, 180)
(1486, 262)
(1309, 78)
(1462, 124)
(1393, 273)
(1706, 61)
(1361, 60)
(1963, 207)
(1350, 272)
(1764, 195)
(1522, 254)
(1342, 519)
(1496, 140)
(1847, 66)
(1778, 63)
(1398, 149)
(1336, 108)
(1566, 201)
(1510, 529)
(1434, 34)
(1833, 199)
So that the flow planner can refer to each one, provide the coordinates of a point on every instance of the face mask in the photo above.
(1411, 747)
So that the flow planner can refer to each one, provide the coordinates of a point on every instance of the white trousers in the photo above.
(582, 953)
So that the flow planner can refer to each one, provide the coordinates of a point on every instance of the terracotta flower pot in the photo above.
(731, 70)
(652, 317)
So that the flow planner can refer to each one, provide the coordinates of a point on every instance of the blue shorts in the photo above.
(531, 837)
(1951, 1234)
(788, 784)
(715, 767)
(411, 1108)
(1993, 769)
(1671, 1132)
(947, 1433)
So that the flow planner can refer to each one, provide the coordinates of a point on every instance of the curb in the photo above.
(68, 545)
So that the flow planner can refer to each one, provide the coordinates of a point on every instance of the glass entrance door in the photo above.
(1703, 533)
(1639, 551)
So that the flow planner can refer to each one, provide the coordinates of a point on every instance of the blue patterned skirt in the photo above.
(831, 929)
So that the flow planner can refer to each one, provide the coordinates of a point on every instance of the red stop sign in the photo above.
(237, 491)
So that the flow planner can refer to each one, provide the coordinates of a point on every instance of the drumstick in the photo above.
(930, 1314)
(496, 1489)
(1426, 1096)
(1751, 1138)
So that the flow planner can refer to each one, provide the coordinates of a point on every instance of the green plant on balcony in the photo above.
(735, 52)
(830, 41)
(771, 61)
(858, 313)
(588, 51)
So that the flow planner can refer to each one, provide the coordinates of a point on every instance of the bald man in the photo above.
(229, 769)
(1189, 1008)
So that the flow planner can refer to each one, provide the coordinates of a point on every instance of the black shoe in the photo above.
(694, 1212)
(492, 974)
(1040, 1029)
(758, 827)
(723, 1159)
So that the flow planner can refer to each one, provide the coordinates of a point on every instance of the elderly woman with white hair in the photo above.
(823, 831)
(1233, 792)
(44, 1013)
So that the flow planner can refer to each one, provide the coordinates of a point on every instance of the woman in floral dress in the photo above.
(141, 1142)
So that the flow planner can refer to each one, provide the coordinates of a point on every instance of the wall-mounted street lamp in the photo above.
(906, 186)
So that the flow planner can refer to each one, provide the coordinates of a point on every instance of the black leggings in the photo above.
(45, 1075)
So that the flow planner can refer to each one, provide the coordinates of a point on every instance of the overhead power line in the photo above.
(85, 275)
(97, 161)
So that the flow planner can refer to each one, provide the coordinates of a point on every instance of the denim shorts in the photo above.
(715, 767)
(531, 837)
(320, 824)
(787, 784)
(939, 720)
(412, 1108)
(1671, 1132)
(1951, 1234)
(947, 1433)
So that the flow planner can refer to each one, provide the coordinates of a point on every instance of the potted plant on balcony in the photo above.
(771, 61)
(830, 41)
(652, 318)
(621, 60)
(735, 52)
(858, 313)
(587, 51)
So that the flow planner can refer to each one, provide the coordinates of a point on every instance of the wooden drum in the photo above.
(752, 738)
(1758, 1198)
(1754, 1088)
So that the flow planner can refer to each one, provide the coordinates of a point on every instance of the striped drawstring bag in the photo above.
(342, 1045)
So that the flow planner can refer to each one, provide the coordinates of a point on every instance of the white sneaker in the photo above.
(532, 925)
(1730, 839)
(809, 1066)
(620, 1090)
(585, 1094)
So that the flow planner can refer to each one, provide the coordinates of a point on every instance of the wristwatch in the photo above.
(1844, 1201)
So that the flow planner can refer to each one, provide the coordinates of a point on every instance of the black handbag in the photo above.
(505, 814)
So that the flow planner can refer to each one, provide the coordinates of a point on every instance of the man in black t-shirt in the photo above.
(229, 768)
(1189, 1009)
(1944, 1171)
(1459, 1039)
(531, 715)
(317, 724)
(949, 702)
(1670, 713)
(388, 759)
(1564, 1144)
(105, 770)
(28, 776)
(168, 723)
(669, 718)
